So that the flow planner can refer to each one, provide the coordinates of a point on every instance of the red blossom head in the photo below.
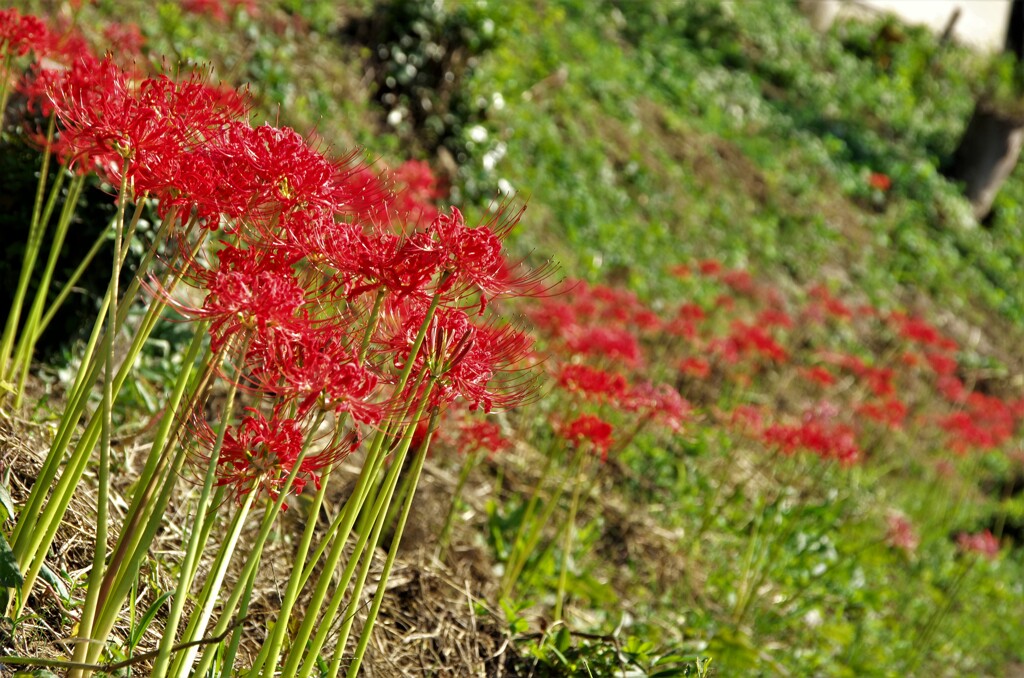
(879, 181)
(698, 368)
(592, 429)
(259, 453)
(591, 382)
(20, 34)
(660, 403)
(482, 435)
(982, 543)
(900, 533)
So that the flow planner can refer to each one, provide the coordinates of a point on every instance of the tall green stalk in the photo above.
(106, 426)
(364, 637)
(37, 228)
(195, 544)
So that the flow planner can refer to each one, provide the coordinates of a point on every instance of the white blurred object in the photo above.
(981, 24)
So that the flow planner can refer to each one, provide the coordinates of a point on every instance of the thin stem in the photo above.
(253, 561)
(35, 238)
(208, 598)
(471, 462)
(364, 638)
(513, 572)
(195, 543)
(353, 508)
(106, 426)
(276, 641)
(570, 527)
(525, 524)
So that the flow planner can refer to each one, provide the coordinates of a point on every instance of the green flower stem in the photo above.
(30, 332)
(106, 429)
(353, 508)
(366, 546)
(134, 544)
(69, 285)
(567, 540)
(253, 559)
(32, 522)
(471, 462)
(517, 562)
(525, 523)
(37, 227)
(276, 641)
(28, 518)
(342, 526)
(46, 524)
(364, 638)
(5, 70)
(236, 636)
(208, 597)
(195, 543)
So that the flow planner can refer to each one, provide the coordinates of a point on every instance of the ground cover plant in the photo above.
(337, 413)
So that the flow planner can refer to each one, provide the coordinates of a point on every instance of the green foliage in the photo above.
(561, 653)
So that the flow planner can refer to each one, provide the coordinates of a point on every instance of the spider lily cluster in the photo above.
(341, 312)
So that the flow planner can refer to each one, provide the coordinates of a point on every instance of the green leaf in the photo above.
(147, 619)
(562, 639)
(10, 575)
(57, 582)
(6, 504)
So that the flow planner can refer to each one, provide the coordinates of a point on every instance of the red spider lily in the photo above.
(695, 367)
(126, 40)
(709, 266)
(748, 419)
(487, 373)
(418, 192)
(399, 265)
(591, 382)
(878, 379)
(270, 171)
(20, 34)
(680, 271)
(773, 317)
(606, 342)
(740, 281)
(951, 388)
(985, 423)
(107, 119)
(685, 324)
(259, 453)
(482, 435)
(824, 303)
(828, 442)
(879, 181)
(471, 258)
(891, 412)
(219, 10)
(555, 318)
(318, 369)
(819, 375)
(900, 533)
(817, 433)
(910, 359)
(941, 364)
(661, 403)
(248, 290)
(748, 339)
(480, 363)
(362, 193)
(982, 543)
(592, 429)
